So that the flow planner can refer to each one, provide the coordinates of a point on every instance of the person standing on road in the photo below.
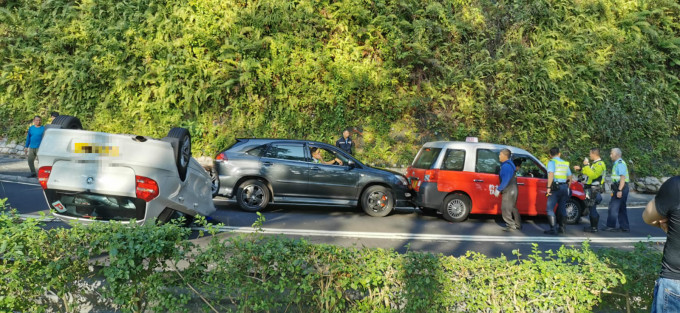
(33, 139)
(617, 205)
(508, 188)
(664, 212)
(345, 143)
(594, 184)
(558, 191)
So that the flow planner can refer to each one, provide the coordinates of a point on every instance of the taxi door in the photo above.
(486, 180)
(532, 182)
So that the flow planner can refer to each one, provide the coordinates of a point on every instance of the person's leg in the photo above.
(666, 296)
(31, 159)
(623, 210)
(613, 213)
(550, 211)
(515, 210)
(506, 209)
(562, 207)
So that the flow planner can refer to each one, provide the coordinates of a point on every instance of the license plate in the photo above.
(414, 183)
(59, 206)
(81, 147)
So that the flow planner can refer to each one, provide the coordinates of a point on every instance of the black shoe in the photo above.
(590, 229)
(611, 229)
(625, 230)
(561, 230)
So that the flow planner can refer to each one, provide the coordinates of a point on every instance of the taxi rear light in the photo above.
(146, 188)
(221, 157)
(43, 175)
(431, 176)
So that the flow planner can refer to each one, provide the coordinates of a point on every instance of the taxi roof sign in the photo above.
(471, 139)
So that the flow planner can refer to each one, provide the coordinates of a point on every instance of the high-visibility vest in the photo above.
(561, 169)
(597, 168)
(617, 178)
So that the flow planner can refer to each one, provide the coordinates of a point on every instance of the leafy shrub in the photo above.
(155, 268)
(528, 73)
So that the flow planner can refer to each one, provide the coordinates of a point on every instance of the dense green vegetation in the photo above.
(573, 73)
(156, 268)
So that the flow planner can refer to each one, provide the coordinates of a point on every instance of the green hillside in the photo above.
(573, 73)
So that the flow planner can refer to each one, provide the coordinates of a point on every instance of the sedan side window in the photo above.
(454, 160)
(287, 152)
(529, 168)
(487, 161)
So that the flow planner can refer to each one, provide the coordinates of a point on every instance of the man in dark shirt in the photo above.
(345, 143)
(664, 212)
(508, 188)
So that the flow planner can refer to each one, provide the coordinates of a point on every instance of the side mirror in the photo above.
(351, 164)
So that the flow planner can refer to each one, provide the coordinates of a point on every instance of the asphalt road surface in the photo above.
(406, 229)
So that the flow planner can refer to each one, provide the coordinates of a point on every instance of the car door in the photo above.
(285, 166)
(487, 168)
(333, 181)
(532, 185)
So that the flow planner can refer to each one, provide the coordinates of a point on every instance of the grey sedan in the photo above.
(258, 172)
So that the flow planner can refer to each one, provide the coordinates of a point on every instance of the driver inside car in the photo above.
(318, 159)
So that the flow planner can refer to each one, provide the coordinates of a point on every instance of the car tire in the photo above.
(377, 201)
(181, 144)
(252, 195)
(65, 122)
(456, 207)
(214, 182)
(574, 211)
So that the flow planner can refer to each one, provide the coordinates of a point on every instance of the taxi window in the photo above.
(487, 161)
(527, 167)
(426, 158)
(454, 160)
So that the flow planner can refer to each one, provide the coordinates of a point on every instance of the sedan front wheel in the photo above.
(377, 201)
(252, 195)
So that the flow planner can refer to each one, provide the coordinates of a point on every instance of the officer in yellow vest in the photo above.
(594, 186)
(559, 175)
(617, 206)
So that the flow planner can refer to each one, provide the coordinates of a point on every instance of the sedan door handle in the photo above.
(478, 181)
(520, 184)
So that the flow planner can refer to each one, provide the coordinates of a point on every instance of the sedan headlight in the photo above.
(402, 180)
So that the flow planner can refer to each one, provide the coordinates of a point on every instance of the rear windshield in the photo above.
(100, 207)
(426, 158)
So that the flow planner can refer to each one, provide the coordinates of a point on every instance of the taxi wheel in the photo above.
(66, 122)
(377, 201)
(182, 148)
(574, 212)
(456, 207)
(252, 195)
(214, 182)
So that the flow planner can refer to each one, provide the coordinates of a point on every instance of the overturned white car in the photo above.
(113, 177)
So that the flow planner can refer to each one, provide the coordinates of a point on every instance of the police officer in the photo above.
(345, 143)
(617, 205)
(595, 173)
(559, 175)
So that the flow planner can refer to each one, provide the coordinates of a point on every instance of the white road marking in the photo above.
(18, 182)
(437, 237)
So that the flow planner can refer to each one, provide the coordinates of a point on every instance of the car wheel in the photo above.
(214, 182)
(574, 211)
(252, 195)
(377, 201)
(66, 122)
(456, 207)
(182, 149)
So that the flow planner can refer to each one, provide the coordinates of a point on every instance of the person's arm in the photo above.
(505, 175)
(652, 216)
(28, 138)
(337, 143)
(551, 176)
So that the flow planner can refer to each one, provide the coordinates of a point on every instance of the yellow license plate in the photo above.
(81, 147)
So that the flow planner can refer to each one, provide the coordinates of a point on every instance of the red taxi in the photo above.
(459, 178)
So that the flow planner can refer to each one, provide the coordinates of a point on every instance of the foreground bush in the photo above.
(155, 268)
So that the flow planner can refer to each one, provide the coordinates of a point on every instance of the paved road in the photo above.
(406, 229)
